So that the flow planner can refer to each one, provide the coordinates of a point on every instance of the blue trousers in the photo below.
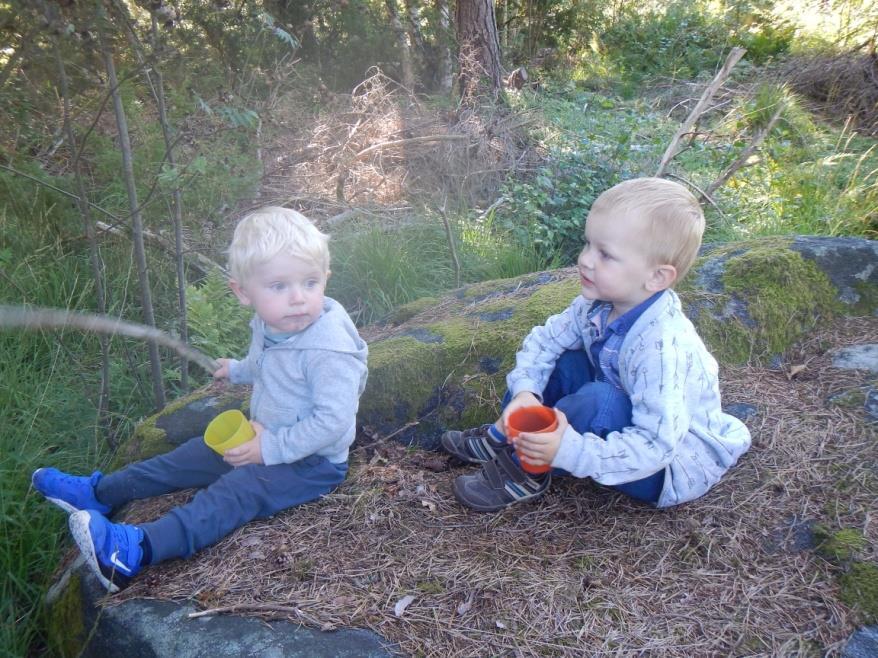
(596, 407)
(228, 497)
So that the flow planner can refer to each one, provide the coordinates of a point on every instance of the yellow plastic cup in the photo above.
(228, 430)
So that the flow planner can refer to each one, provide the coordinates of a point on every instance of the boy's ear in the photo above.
(239, 291)
(662, 277)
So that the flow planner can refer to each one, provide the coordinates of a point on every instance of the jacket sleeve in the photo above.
(660, 420)
(241, 372)
(334, 380)
(541, 348)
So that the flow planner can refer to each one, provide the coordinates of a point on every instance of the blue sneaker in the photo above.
(69, 492)
(111, 550)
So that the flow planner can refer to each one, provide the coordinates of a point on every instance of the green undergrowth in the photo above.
(808, 178)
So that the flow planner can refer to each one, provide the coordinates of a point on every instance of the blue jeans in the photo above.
(228, 497)
(596, 407)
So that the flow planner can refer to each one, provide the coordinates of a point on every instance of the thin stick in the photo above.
(704, 194)
(255, 607)
(449, 234)
(700, 107)
(13, 317)
(411, 140)
(741, 160)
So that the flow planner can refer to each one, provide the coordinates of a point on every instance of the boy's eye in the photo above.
(604, 254)
(311, 283)
(277, 286)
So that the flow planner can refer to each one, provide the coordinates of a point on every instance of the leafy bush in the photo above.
(550, 209)
(218, 324)
(682, 39)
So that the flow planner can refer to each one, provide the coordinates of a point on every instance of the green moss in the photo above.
(867, 304)
(408, 311)
(457, 381)
(66, 630)
(840, 546)
(490, 287)
(859, 590)
(430, 586)
(784, 295)
(547, 300)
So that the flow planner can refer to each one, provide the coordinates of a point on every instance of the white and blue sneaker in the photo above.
(69, 492)
(111, 550)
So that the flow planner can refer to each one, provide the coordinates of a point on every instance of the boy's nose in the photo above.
(296, 295)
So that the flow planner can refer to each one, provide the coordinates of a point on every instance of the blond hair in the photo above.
(674, 219)
(271, 230)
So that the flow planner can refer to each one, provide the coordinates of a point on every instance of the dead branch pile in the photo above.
(841, 85)
(384, 148)
(584, 571)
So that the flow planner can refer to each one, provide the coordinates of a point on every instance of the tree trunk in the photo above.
(176, 203)
(402, 42)
(136, 220)
(479, 55)
(446, 65)
(94, 255)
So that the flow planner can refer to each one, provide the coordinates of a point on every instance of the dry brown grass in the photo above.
(584, 571)
(842, 85)
(381, 147)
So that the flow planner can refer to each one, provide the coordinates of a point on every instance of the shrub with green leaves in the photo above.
(218, 324)
(550, 210)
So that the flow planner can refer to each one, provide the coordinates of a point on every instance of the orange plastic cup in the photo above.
(228, 430)
(533, 420)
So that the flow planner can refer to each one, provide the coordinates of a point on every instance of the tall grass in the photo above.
(49, 382)
(378, 268)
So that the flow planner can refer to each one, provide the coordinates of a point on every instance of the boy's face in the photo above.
(614, 265)
(286, 292)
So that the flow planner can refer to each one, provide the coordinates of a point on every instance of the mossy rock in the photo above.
(442, 362)
(178, 421)
(65, 620)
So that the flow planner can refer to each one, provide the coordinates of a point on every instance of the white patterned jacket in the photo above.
(672, 380)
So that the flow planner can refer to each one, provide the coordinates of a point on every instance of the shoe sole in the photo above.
(78, 523)
(67, 507)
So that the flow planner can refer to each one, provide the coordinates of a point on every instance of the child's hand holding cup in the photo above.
(535, 419)
(228, 430)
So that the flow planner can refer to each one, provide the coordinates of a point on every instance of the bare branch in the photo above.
(410, 140)
(741, 160)
(700, 107)
(15, 317)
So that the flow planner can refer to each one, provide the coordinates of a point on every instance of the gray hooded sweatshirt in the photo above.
(306, 389)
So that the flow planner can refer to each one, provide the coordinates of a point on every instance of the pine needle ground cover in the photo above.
(756, 566)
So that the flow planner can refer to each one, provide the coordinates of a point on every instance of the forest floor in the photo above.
(740, 571)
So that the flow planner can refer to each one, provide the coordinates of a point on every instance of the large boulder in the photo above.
(441, 362)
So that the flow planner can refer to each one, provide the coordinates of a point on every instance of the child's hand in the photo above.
(523, 399)
(540, 449)
(223, 370)
(247, 453)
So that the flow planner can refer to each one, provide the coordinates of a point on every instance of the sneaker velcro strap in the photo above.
(503, 468)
